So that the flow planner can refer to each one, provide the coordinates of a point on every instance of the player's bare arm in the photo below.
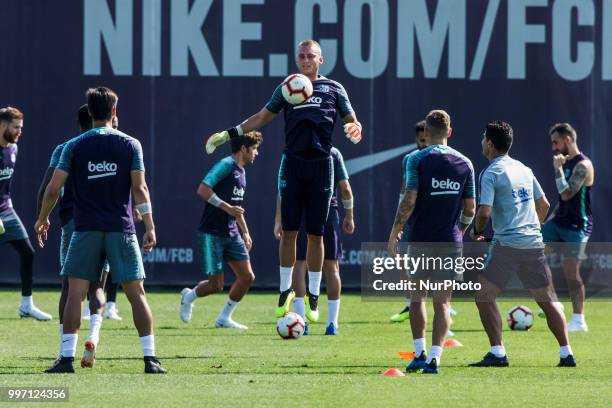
(483, 215)
(278, 222)
(542, 206)
(205, 192)
(254, 122)
(469, 208)
(582, 173)
(404, 211)
(42, 188)
(142, 202)
(346, 193)
(248, 241)
(52, 193)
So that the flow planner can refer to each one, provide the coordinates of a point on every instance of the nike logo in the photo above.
(63, 341)
(362, 163)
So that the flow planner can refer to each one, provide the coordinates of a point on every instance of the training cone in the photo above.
(407, 356)
(393, 372)
(452, 343)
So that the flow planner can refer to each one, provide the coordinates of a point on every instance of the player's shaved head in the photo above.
(101, 101)
(310, 44)
(438, 123)
(84, 119)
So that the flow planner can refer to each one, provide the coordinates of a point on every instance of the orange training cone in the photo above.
(407, 356)
(452, 343)
(393, 372)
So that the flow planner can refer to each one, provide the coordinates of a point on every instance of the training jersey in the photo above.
(575, 213)
(510, 188)
(228, 181)
(8, 158)
(442, 177)
(340, 174)
(100, 163)
(66, 204)
(309, 126)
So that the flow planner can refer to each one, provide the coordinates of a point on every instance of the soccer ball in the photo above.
(520, 318)
(296, 88)
(290, 326)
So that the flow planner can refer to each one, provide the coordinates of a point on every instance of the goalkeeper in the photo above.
(306, 175)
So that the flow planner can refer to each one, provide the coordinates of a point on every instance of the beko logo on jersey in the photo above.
(6, 173)
(238, 193)
(313, 101)
(447, 186)
(103, 169)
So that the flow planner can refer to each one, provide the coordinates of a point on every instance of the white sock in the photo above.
(565, 351)
(435, 352)
(26, 302)
(578, 318)
(285, 277)
(191, 296)
(314, 282)
(61, 327)
(69, 343)
(86, 311)
(110, 306)
(407, 302)
(300, 307)
(333, 307)
(148, 345)
(420, 346)
(95, 323)
(228, 309)
(498, 351)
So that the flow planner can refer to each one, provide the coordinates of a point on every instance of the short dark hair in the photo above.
(438, 122)
(9, 114)
(84, 118)
(419, 127)
(564, 129)
(500, 134)
(101, 102)
(247, 140)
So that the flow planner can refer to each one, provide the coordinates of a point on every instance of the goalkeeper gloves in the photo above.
(353, 131)
(217, 139)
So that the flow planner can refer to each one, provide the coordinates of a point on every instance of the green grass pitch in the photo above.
(220, 367)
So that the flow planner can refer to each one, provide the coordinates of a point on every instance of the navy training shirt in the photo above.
(228, 181)
(100, 163)
(442, 177)
(8, 158)
(309, 126)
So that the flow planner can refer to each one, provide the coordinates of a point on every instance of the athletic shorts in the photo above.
(331, 238)
(89, 249)
(216, 249)
(305, 187)
(574, 241)
(14, 229)
(528, 264)
(438, 261)
(67, 231)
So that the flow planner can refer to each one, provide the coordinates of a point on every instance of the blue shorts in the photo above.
(14, 229)
(216, 249)
(305, 187)
(575, 241)
(89, 249)
(67, 231)
(331, 238)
